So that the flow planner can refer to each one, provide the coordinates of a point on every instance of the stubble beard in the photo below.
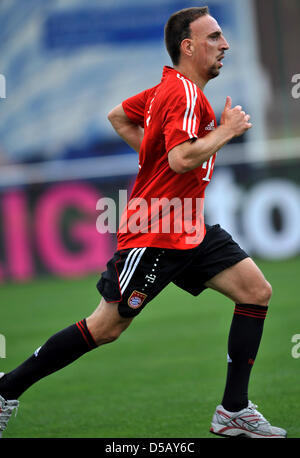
(213, 72)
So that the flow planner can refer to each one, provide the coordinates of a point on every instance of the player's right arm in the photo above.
(128, 130)
(128, 118)
(190, 155)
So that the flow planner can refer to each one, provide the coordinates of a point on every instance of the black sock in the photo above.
(60, 350)
(243, 343)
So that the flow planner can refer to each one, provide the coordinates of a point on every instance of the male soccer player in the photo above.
(162, 236)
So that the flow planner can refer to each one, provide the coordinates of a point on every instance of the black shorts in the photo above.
(135, 276)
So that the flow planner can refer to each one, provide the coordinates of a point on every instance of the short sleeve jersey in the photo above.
(165, 209)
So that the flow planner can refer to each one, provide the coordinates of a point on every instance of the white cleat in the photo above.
(6, 409)
(247, 422)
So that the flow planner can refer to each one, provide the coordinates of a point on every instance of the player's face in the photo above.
(209, 46)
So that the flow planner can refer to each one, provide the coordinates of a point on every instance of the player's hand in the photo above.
(235, 119)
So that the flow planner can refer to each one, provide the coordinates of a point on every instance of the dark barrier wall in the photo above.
(52, 228)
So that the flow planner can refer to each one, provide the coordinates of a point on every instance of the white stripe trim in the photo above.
(194, 126)
(135, 254)
(192, 115)
(188, 105)
(126, 263)
(189, 120)
(192, 109)
(131, 272)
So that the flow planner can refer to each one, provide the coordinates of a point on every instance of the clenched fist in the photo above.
(235, 119)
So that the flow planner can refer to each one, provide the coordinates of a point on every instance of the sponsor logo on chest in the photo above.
(211, 125)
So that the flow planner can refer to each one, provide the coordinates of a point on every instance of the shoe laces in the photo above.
(253, 408)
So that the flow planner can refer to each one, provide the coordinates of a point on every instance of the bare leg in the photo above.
(244, 283)
(106, 324)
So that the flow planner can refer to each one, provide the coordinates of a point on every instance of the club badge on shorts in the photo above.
(136, 299)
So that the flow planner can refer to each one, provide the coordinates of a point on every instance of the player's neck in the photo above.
(192, 75)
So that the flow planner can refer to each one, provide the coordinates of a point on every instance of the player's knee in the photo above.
(263, 294)
(105, 323)
(109, 338)
(108, 335)
(269, 291)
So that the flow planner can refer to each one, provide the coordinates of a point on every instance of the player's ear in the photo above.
(187, 47)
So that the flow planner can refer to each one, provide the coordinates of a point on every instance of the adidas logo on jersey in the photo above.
(211, 126)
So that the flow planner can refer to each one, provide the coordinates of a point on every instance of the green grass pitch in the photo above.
(164, 376)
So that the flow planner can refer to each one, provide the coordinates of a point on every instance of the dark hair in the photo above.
(177, 29)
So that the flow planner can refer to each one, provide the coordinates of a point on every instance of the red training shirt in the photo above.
(165, 209)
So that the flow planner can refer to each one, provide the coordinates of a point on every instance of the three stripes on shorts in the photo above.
(130, 266)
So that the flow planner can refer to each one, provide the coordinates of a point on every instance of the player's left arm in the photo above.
(188, 155)
(130, 132)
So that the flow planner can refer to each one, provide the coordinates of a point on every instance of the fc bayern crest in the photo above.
(136, 299)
